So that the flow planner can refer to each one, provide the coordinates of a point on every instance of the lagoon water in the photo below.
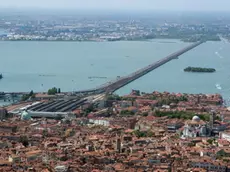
(39, 66)
(3, 32)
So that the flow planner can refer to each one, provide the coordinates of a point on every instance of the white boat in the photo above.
(218, 86)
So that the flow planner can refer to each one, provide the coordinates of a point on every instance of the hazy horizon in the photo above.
(129, 5)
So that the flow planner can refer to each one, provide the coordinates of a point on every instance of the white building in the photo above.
(208, 165)
(196, 128)
(99, 122)
(225, 136)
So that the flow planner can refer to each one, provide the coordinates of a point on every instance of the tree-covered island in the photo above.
(199, 69)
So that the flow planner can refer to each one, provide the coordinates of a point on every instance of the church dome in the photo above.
(25, 115)
(196, 118)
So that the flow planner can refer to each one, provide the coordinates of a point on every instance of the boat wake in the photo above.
(218, 87)
(217, 53)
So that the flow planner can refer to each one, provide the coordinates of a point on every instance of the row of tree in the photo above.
(54, 91)
(31, 95)
(181, 115)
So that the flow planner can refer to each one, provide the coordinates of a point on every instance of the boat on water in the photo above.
(218, 86)
(47, 75)
(97, 77)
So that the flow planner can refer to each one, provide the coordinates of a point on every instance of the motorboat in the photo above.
(218, 86)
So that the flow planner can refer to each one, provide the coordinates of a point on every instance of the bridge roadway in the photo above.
(110, 87)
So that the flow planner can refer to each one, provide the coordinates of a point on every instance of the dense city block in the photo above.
(97, 130)
(137, 132)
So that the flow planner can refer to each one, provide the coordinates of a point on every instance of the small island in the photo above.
(1, 76)
(199, 69)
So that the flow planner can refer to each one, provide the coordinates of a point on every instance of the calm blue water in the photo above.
(2, 32)
(171, 76)
(69, 64)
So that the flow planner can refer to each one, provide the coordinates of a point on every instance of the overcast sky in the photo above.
(182, 5)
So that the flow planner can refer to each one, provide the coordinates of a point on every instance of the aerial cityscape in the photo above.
(102, 28)
(127, 91)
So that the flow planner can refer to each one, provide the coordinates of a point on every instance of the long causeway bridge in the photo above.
(112, 86)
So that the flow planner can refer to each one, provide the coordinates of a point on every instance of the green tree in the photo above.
(44, 133)
(139, 133)
(152, 97)
(63, 158)
(25, 97)
(127, 112)
(149, 133)
(181, 115)
(14, 129)
(33, 96)
(28, 96)
(220, 154)
(114, 97)
(90, 109)
(191, 144)
(52, 91)
(24, 140)
(218, 118)
(204, 117)
(144, 114)
(31, 93)
(210, 141)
